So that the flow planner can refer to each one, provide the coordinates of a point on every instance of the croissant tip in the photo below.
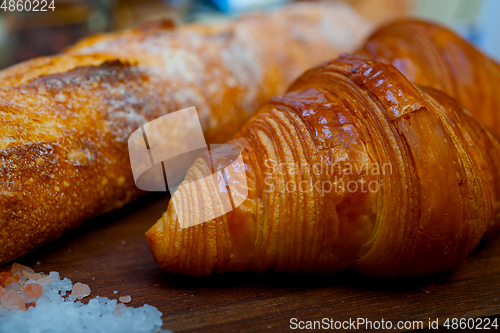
(155, 239)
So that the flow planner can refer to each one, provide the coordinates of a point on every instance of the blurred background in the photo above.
(28, 34)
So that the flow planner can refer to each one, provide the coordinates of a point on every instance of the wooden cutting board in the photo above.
(110, 253)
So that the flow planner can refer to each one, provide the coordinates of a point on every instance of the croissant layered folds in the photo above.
(388, 178)
(433, 56)
(65, 119)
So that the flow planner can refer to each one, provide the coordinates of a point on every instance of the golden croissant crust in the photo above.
(346, 125)
(433, 56)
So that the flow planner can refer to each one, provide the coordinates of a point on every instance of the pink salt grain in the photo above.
(20, 269)
(32, 290)
(32, 276)
(125, 299)
(80, 290)
(120, 309)
(12, 300)
(45, 281)
(14, 286)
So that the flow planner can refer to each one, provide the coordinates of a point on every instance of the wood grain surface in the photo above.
(110, 253)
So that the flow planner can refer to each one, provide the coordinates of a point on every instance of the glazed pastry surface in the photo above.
(346, 125)
(433, 56)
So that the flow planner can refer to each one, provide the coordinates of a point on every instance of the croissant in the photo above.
(433, 56)
(355, 167)
(65, 119)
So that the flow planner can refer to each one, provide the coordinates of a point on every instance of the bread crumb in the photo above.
(120, 180)
(61, 98)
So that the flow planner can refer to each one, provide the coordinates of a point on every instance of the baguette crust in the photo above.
(65, 120)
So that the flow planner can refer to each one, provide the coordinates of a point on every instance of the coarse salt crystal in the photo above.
(14, 286)
(120, 309)
(32, 276)
(125, 299)
(3, 278)
(7, 278)
(20, 269)
(32, 290)
(80, 290)
(45, 281)
(12, 300)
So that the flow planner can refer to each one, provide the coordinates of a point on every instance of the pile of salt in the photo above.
(36, 303)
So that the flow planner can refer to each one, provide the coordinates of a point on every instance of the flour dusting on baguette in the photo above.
(65, 119)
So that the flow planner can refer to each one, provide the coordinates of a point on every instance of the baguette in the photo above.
(65, 119)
